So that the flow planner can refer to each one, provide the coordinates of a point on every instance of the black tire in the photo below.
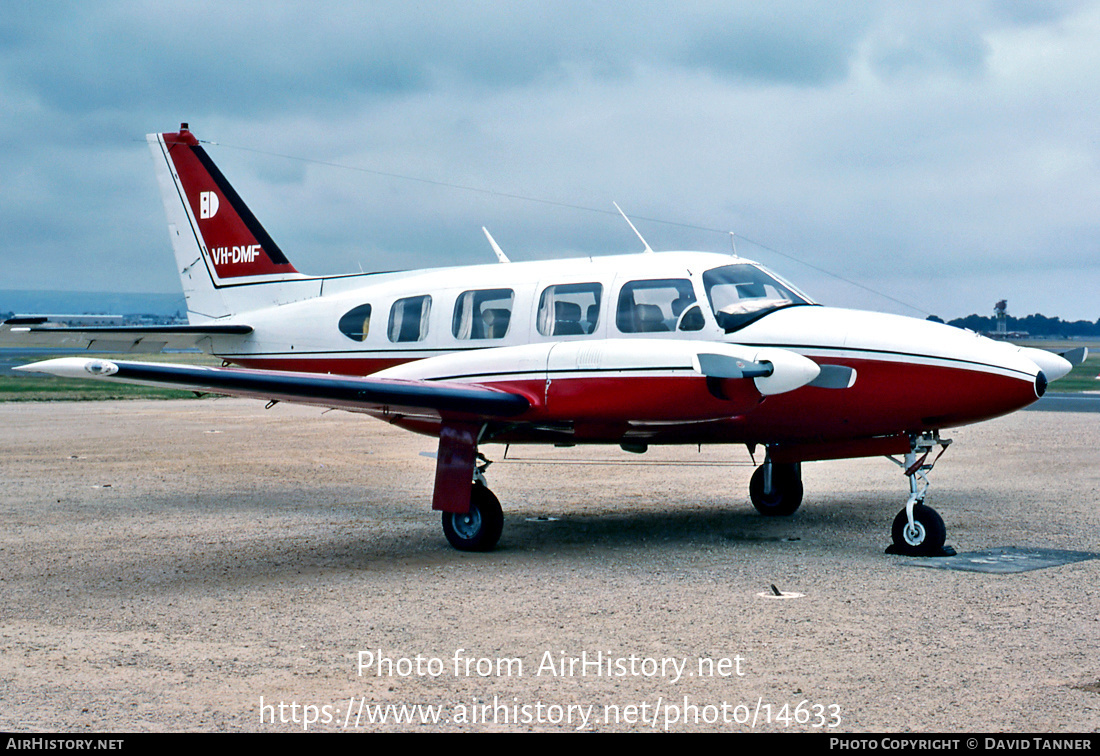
(927, 536)
(480, 528)
(786, 495)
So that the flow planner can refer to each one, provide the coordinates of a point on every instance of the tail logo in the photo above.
(208, 204)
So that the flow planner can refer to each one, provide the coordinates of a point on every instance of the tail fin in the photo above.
(217, 240)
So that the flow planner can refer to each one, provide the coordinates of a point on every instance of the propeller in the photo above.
(834, 377)
(728, 367)
(725, 366)
(1075, 356)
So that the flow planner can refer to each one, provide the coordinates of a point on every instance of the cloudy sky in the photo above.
(942, 155)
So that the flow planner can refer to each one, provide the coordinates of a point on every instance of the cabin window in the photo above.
(409, 319)
(356, 323)
(657, 306)
(569, 309)
(483, 314)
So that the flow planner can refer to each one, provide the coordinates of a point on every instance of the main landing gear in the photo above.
(479, 528)
(776, 488)
(918, 530)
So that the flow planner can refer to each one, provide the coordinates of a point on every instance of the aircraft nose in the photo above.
(1053, 366)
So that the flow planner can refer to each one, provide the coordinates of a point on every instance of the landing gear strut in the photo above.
(918, 530)
(776, 488)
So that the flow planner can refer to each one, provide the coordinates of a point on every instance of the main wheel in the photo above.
(925, 537)
(479, 529)
(786, 494)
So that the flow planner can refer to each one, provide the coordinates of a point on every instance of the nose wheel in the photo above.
(924, 536)
(918, 529)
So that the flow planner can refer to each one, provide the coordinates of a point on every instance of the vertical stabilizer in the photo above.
(218, 242)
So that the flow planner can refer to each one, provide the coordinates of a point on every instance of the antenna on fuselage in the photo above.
(496, 247)
(647, 247)
(733, 243)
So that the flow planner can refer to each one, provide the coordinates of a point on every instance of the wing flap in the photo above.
(343, 392)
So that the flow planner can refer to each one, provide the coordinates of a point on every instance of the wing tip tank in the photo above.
(70, 367)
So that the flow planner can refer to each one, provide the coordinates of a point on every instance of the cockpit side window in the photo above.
(569, 309)
(355, 324)
(409, 319)
(483, 314)
(740, 294)
(653, 306)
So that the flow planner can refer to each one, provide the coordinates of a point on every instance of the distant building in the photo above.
(1000, 314)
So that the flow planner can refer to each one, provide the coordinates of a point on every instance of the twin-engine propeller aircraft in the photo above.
(635, 350)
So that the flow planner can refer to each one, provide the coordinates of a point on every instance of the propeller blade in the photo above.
(834, 377)
(724, 366)
(1075, 356)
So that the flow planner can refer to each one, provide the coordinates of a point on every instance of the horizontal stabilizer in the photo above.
(35, 332)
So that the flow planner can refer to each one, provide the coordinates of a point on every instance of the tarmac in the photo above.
(214, 566)
(1087, 401)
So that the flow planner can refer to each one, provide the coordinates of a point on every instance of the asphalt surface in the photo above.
(1068, 403)
(212, 566)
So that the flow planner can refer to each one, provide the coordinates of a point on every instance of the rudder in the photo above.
(217, 240)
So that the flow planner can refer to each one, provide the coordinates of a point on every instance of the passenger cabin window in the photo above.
(569, 309)
(483, 314)
(409, 319)
(356, 323)
(658, 306)
(740, 294)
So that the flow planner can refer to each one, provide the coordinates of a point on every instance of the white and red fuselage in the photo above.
(601, 347)
(611, 380)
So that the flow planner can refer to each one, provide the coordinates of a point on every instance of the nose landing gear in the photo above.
(918, 529)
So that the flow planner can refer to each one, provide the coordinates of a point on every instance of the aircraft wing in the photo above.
(35, 332)
(366, 394)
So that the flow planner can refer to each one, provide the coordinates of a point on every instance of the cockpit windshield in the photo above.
(740, 294)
